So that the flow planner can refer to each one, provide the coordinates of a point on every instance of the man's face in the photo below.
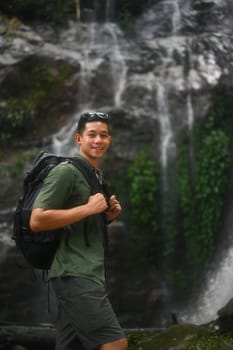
(94, 140)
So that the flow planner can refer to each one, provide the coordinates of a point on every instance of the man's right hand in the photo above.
(97, 203)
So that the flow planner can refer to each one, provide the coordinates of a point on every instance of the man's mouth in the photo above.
(98, 148)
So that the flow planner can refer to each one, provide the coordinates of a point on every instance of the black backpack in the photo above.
(39, 248)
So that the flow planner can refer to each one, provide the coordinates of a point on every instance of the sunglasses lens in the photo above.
(102, 115)
(96, 115)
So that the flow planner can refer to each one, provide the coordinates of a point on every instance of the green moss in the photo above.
(202, 200)
(15, 166)
(126, 10)
(171, 337)
(201, 187)
(53, 11)
(213, 342)
(138, 339)
(36, 84)
(182, 336)
(143, 189)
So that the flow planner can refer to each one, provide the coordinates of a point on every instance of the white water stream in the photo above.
(217, 290)
(6, 241)
(99, 41)
(166, 131)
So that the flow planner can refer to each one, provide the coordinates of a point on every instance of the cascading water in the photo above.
(164, 114)
(109, 10)
(166, 132)
(216, 292)
(189, 112)
(119, 67)
(99, 42)
(216, 289)
(176, 17)
(5, 233)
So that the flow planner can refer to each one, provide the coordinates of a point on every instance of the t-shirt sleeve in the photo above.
(56, 188)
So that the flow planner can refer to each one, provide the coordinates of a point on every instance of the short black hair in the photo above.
(88, 117)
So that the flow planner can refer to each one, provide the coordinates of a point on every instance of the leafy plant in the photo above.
(41, 82)
(54, 11)
(20, 113)
(201, 197)
(143, 200)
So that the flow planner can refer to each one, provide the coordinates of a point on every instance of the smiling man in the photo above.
(86, 319)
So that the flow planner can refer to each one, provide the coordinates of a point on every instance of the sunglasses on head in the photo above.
(94, 115)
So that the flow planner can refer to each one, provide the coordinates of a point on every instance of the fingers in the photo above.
(113, 201)
(114, 204)
(99, 204)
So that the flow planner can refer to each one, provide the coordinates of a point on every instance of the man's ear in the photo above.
(77, 138)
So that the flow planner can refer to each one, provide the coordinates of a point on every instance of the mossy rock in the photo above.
(176, 337)
(180, 337)
(37, 97)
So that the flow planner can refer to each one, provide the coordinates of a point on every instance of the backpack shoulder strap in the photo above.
(91, 178)
(87, 172)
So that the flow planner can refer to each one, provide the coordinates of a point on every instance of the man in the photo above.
(86, 319)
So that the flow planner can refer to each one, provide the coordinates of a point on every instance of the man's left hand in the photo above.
(114, 208)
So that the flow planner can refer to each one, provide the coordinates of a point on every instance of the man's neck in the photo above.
(93, 162)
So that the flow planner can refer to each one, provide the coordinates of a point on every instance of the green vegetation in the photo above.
(15, 167)
(201, 197)
(214, 342)
(202, 182)
(58, 12)
(28, 92)
(183, 336)
(54, 11)
(143, 193)
(20, 114)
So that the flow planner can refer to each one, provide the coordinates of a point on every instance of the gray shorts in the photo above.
(86, 319)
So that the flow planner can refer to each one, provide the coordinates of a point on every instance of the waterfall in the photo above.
(98, 42)
(188, 81)
(167, 140)
(6, 241)
(166, 132)
(119, 67)
(190, 117)
(176, 17)
(217, 286)
(109, 10)
(167, 149)
(214, 295)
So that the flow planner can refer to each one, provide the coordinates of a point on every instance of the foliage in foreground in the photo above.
(180, 337)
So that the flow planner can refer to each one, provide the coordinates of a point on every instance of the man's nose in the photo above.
(97, 138)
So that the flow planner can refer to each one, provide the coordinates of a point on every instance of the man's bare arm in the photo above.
(51, 219)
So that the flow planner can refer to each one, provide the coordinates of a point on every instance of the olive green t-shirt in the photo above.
(65, 187)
